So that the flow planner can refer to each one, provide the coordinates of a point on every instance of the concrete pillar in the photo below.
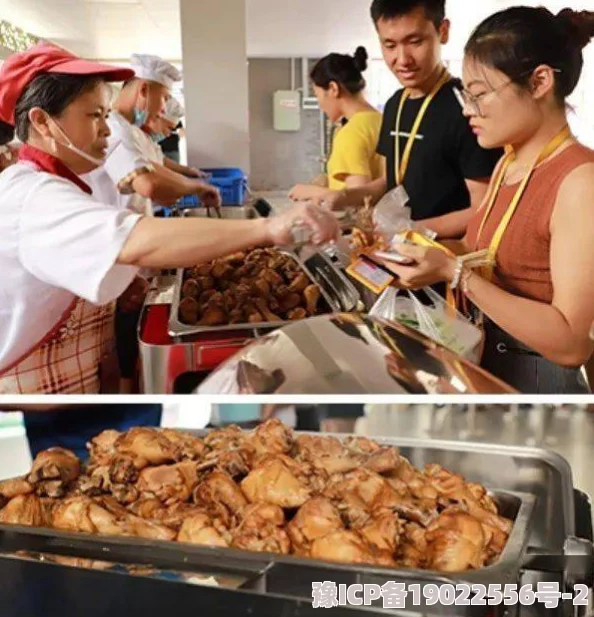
(216, 82)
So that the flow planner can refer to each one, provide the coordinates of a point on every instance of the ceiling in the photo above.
(114, 29)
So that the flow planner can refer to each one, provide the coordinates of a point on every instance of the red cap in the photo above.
(19, 70)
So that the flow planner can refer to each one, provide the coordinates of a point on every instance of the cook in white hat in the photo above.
(155, 69)
(134, 175)
(161, 128)
(174, 111)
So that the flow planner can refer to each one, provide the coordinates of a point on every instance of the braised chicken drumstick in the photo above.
(351, 501)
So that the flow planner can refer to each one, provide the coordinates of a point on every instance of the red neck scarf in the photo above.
(52, 165)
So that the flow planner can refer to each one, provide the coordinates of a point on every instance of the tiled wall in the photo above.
(279, 160)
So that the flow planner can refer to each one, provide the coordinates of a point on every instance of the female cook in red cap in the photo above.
(65, 257)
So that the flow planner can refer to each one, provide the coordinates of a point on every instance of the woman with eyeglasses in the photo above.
(535, 298)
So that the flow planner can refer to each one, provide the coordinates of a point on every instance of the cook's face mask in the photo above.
(140, 113)
(68, 144)
(140, 117)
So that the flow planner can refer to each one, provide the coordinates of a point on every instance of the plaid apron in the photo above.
(74, 358)
(77, 356)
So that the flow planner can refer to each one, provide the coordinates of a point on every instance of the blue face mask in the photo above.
(140, 117)
(158, 137)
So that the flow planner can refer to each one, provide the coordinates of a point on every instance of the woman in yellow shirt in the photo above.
(338, 85)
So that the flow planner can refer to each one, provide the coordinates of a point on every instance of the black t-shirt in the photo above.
(171, 143)
(445, 153)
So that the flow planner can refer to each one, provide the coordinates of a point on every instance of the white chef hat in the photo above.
(153, 68)
(174, 111)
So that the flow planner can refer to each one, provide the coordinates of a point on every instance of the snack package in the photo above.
(433, 317)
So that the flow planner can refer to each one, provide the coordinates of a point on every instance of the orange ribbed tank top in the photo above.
(524, 257)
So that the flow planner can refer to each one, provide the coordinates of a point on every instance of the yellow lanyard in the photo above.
(402, 166)
(550, 149)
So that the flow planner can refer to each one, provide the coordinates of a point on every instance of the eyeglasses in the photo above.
(473, 102)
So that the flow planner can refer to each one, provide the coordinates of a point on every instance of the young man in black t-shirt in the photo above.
(448, 173)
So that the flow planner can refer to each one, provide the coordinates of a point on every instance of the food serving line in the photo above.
(550, 541)
(177, 356)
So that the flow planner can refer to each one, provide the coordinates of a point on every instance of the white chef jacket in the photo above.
(158, 156)
(130, 149)
(58, 243)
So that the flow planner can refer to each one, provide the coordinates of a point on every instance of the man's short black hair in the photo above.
(389, 9)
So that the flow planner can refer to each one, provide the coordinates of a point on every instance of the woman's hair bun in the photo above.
(360, 59)
(580, 26)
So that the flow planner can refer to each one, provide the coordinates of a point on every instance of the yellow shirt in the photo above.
(354, 150)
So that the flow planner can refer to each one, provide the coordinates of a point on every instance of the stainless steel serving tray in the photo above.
(283, 586)
(227, 212)
(179, 329)
(144, 570)
(518, 506)
(191, 558)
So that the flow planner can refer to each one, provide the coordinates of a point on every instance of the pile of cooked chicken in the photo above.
(263, 285)
(268, 490)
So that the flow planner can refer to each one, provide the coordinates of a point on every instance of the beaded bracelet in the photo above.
(464, 280)
(457, 274)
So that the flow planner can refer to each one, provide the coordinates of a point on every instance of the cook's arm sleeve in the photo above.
(126, 162)
(69, 240)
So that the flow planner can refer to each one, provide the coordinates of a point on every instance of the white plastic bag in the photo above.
(435, 320)
(392, 217)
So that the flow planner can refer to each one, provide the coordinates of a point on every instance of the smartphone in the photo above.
(394, 257)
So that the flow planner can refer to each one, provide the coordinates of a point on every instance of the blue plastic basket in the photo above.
(189, 201)
(231, 182)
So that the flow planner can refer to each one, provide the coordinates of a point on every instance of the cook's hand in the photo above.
(133, 298)
(209, 196)
(196, 173)
(431, 266)
(324, 225)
